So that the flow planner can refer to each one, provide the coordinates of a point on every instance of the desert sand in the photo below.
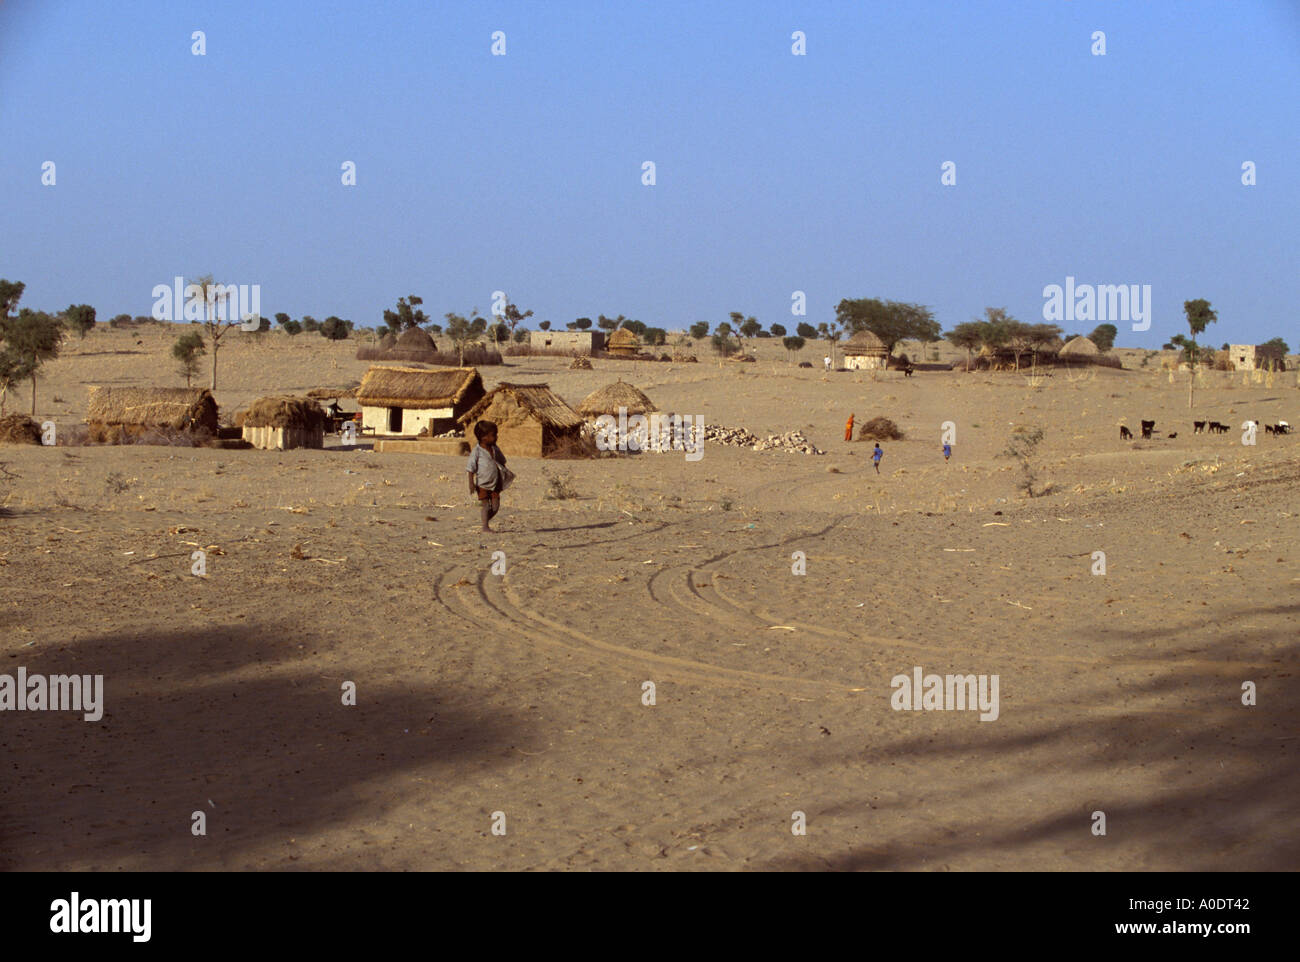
(522, 693)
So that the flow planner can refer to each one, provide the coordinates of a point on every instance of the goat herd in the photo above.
(1201, 427)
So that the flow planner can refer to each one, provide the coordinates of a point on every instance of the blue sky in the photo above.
(775, 172)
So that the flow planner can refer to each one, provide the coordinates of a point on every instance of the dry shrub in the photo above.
(572, 448)
(559, 487)
(880, 429)
(581, 364)
(19, 429)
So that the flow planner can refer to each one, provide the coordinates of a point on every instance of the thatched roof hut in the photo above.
(387, 342)
(397, 401)
(611, 397)
(1079, 347)
(134, 410)
(865, 351)
(864, 343)
(623, 343)
(281, 423)
(532, 421)
(413, 344)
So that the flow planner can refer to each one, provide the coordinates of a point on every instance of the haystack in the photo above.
(880, 429)
(19, 429)
(744, 358)
(532, 420)
(611, 397)
(280, 423)
(580, 364)
(400, 401)
(118, 412)
(623, 343)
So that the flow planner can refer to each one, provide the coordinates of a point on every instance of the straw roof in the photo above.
(611, 397)
(387, 342)
(171, 407)
(413, 344)
(548, 406)
(864, 342)
(284, 412)
(1080, 345)
(410, 387)
(623, 338)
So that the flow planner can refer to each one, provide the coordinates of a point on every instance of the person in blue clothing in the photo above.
(947, 451)
(876, 455)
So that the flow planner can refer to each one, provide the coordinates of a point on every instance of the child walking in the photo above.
(487, 471)
(876, 455)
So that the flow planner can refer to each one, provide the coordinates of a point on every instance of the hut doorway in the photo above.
(395, 420)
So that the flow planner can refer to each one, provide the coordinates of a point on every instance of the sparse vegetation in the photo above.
(1021, 446)
(559, 487)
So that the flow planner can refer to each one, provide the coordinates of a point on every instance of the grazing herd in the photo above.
(1202, 427)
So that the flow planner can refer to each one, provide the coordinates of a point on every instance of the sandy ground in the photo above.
(522, 693)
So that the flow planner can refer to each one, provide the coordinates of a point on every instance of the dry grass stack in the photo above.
(19, 429)
(119, 415)
(580, 364)
(622, 343)
(532, 422)
(880, 429)
(282, 423)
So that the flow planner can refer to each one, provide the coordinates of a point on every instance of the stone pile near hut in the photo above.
(792, 442)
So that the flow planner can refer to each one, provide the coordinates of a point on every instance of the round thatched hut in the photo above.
(864, 352)
(622, 343)
(413, 344)
(387, 342)
(612, 397)
(1079, 347)
(282, 423)
(116, 413)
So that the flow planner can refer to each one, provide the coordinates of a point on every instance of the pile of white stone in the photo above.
(792, 442)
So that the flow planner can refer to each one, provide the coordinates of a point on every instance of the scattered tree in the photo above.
(805, 330)
(1199, 316)
(291, 327)
(655, 336)
(792, 344)
(30, 339)
(187, 350)
(1274, 351)
(334, 328)
(777, 330)
(583, 323)
(407, 315)
(216, 328)
(699, 330)
(545, 325)
(80, 318)
(1103, 335)
(310, 323)
(464, 331)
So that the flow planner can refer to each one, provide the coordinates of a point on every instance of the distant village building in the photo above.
(1244, 357)
(532, 421)
(865, 352)
(403, 401)
(581, 342)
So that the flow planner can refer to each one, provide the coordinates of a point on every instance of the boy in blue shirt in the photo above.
(876, 455)
(486, 470)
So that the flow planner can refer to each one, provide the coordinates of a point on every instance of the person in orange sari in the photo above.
(848, 429)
